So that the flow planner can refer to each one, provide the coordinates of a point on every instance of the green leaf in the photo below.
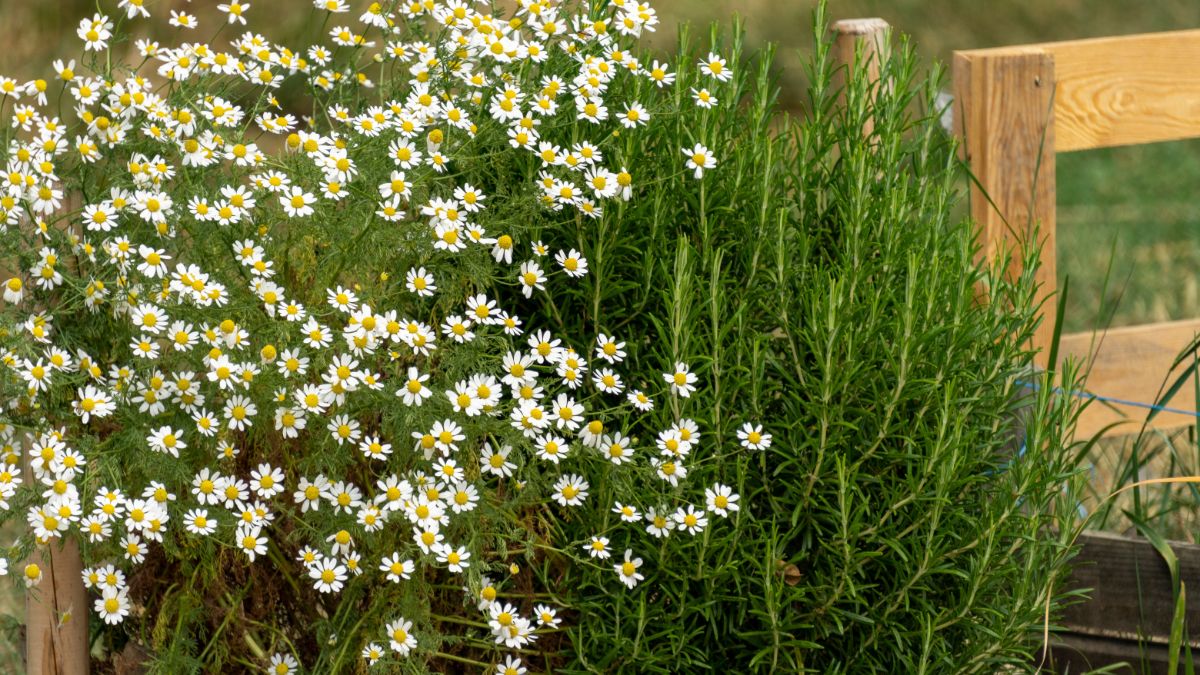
(1160, 544)
(1177, 630)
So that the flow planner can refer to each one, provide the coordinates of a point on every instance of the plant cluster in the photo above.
(519, 348)
(239, 337)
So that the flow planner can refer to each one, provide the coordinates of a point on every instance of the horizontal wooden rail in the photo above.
(1121, 90)
(1131, 364)
(1127, 617)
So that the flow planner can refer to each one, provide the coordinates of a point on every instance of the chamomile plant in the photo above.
(277, 341)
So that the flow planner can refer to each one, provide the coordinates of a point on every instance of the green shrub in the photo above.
(823, 284)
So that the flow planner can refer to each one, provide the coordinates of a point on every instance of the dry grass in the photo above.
(1172, 508)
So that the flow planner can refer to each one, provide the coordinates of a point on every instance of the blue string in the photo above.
(1110, 399)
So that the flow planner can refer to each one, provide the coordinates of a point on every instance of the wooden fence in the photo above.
(1015, 109)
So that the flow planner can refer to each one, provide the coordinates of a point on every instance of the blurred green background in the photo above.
(1137, 201)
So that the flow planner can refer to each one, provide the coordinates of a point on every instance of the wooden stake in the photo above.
(56, 613)
(859, 43)
(56, 609)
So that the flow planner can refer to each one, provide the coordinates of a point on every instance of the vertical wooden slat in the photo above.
(1004, 116)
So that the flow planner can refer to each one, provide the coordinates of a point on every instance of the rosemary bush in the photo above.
(520, 349)
(914, 511)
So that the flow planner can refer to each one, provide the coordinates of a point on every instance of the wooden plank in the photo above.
(1127, 616)
(57, 608)
(1126, 90)
(1072, 653)
(1115, 568)
(1131, 364)
(1003, 115)
(1123, 90)
(56, 612)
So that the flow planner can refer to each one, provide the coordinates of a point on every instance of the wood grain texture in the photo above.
(1127, 614)
(1126, 90)
(57, 608)
(1122, 90)
(1002, 114)
(56, 613)
(1131, 364)
(1115, 567)
(1074, 653)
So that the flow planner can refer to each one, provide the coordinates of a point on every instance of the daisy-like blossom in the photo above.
(95, 32)
(752, 437)
(690, 520)
(283, 664)
(570, 490)
(112, 606)
(397, 568)
(721, 499)
(92, 402)
(572, 262)
(456, 559)
(531, 278)
(220, 221)
(235, 10)
(400, 636)
(371, 653)
(197, 521)
(420, 282)
(682, 380)
(328, 575)
(627, 570)
(715, 67)
(627, 513)
(699, 159)
(251, 541)
(598, 548)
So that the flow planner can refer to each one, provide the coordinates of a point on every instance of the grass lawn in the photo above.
(1140, 202)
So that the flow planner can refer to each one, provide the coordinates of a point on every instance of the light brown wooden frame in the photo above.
(1015, 109)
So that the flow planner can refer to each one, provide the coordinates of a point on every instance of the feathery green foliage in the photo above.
(819, 283)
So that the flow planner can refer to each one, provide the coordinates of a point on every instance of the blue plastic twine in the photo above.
(1111, 399)
(1107, 399)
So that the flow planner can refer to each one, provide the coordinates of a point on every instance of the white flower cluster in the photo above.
(223, 354)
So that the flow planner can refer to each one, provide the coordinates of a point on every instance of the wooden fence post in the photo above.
(868, 39)
(1004, 117)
